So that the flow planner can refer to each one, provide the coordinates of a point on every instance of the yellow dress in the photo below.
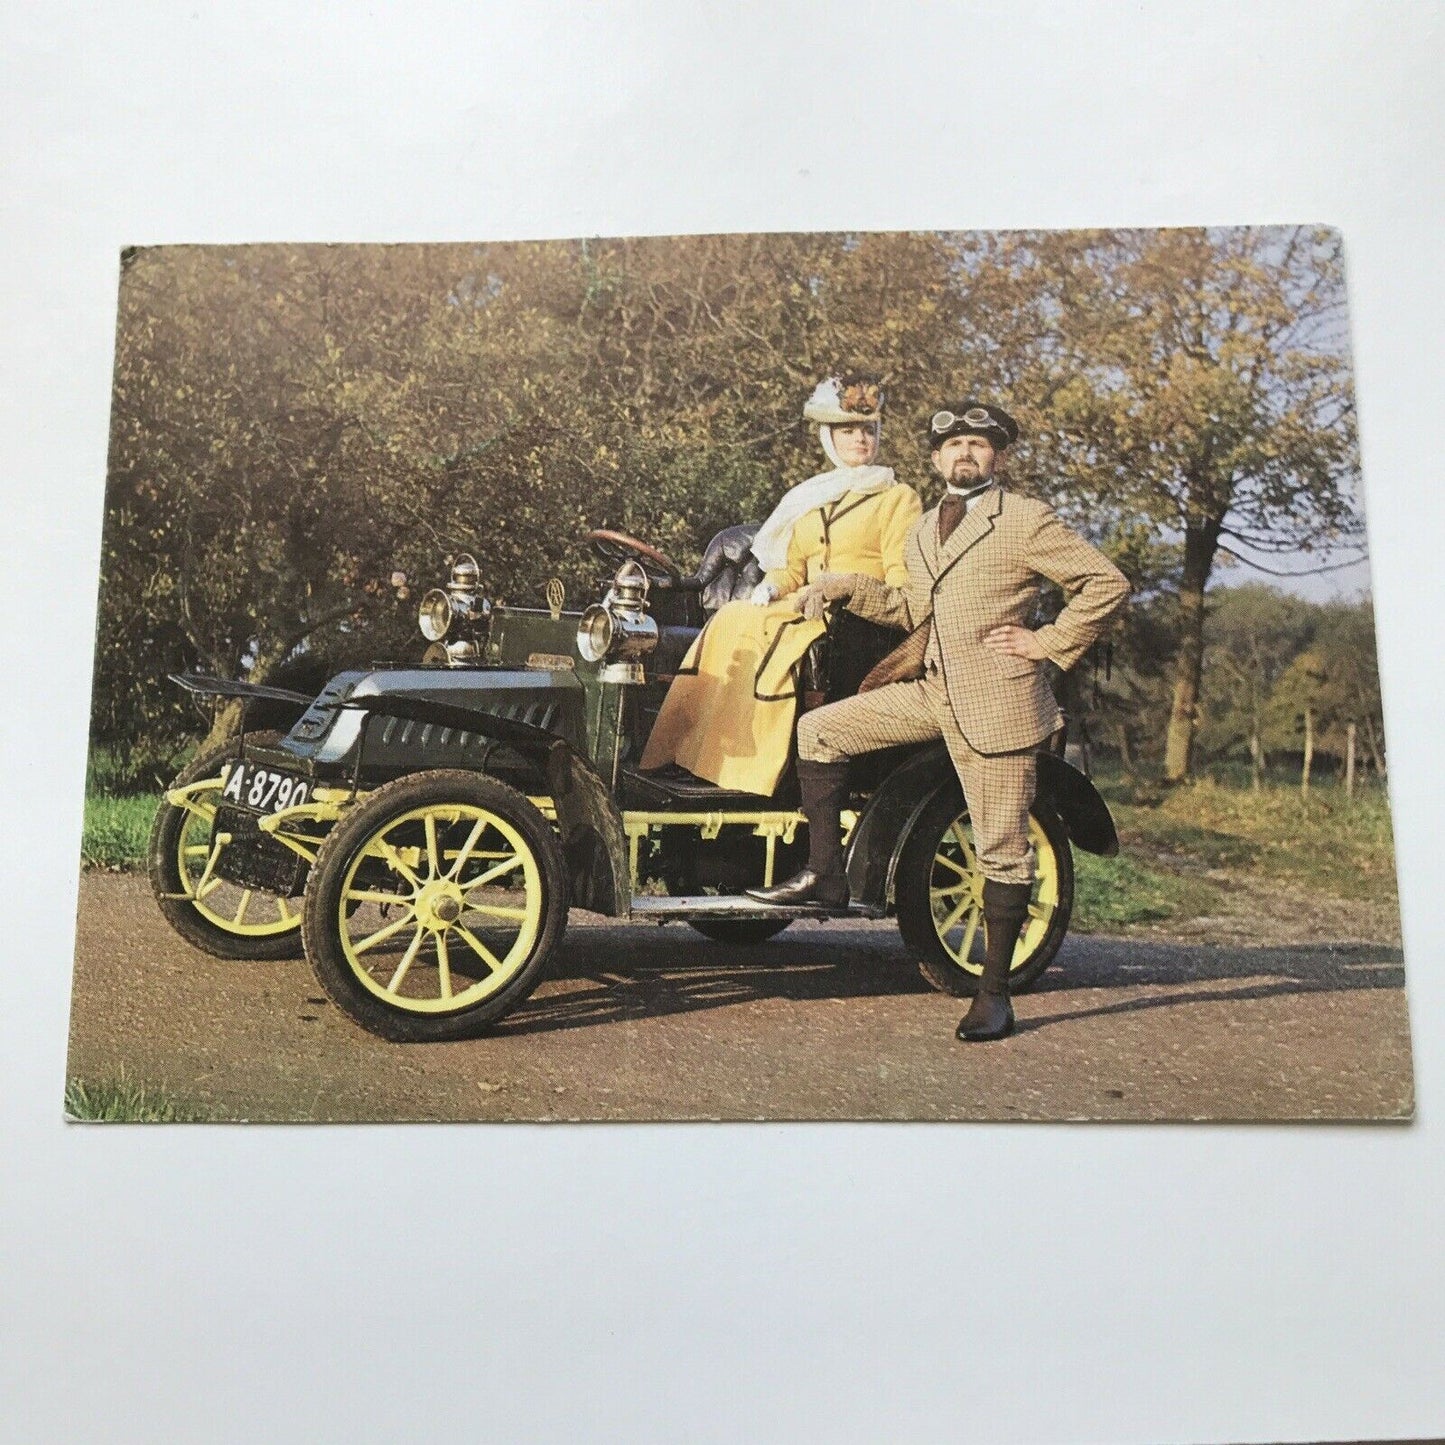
(728, 716)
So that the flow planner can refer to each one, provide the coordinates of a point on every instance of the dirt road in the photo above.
(824, 1022)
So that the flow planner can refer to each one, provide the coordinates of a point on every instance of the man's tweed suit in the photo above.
(992, 711)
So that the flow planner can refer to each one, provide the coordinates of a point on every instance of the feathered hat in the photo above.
(841, 400)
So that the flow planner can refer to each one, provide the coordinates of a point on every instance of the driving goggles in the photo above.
(974, 416)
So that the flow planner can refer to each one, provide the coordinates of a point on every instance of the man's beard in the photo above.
(965, 472)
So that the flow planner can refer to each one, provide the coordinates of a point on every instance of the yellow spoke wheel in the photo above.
(939, 896)
(434, 906)
(222, 918)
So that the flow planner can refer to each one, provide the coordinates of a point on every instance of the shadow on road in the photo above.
(614, 975)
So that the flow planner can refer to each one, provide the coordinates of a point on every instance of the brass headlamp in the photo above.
(618, 632)
(460, 606)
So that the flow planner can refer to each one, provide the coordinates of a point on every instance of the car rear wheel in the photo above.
(939, 893)
(434, 906)
(226, 919)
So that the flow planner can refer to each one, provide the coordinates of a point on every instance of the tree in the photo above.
(292, 425)
(1198, 380)
(1253, 633)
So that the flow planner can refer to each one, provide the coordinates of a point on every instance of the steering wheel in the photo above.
(615, 548)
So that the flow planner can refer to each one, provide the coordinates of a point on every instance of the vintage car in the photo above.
(422, 830)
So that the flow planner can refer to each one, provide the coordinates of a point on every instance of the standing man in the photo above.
(968, 673)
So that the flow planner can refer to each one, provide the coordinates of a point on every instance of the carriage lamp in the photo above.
(618, 632)
(460, 603)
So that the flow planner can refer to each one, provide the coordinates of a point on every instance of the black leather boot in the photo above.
(991, 1015)
(824, 787)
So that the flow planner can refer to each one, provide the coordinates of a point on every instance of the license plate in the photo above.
(263, 789)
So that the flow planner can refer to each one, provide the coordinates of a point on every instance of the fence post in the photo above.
(1304, 777)
(1349, 762)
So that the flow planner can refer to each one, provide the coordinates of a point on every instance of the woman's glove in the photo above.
(830, 587)
(762, 594)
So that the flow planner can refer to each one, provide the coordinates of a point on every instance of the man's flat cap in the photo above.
(972, 418)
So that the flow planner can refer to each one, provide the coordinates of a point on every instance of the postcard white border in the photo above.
(649, 1282)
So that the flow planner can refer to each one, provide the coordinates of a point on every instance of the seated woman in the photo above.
(728, 716)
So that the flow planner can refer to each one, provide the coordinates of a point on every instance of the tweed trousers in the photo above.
(999, 786)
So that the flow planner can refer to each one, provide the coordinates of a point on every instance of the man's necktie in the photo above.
(950, 514)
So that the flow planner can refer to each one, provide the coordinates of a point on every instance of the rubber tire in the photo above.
(915, 915)
(323, 945)
(164, 870)
(741, 931)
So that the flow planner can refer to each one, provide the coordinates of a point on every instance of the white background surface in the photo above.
(726, 1282)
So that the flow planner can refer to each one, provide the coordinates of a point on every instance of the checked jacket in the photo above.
(986, 575)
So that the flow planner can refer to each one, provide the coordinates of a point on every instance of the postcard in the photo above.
(919, 676)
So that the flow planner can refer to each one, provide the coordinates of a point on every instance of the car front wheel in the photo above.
(434, 906)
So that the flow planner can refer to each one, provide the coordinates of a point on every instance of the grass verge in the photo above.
(1114, 892)
(122, 1101)
(116, 830)
(1339, 848)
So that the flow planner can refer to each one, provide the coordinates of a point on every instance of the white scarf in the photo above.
(770, 546)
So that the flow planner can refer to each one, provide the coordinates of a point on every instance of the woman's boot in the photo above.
(991, 1015)
(824, 787)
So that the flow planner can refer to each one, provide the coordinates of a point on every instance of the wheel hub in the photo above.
(439, 905)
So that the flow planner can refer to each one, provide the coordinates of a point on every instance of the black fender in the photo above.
(888, 817)
(1076, 800)
(593, 839)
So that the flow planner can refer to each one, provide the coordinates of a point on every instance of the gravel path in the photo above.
(824, 1022)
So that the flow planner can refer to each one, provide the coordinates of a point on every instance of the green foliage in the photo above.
(1343, 848)
(116, 830)
(293, 425)
(142, 767)
(1184, 848)
(1326, 843)
(123, 1101)
(1115, 892)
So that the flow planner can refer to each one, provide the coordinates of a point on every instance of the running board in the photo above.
(665, 909)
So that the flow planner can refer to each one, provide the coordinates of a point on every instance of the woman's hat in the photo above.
(843, 399)
(972, 418)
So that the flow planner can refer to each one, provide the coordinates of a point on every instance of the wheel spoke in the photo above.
(505, 866)
(952, 891)
(382, 934)
(957, 913)
(465, 851)
(479, 948)
(497, 911)
(958, 831)
(372, 895)
(241, 908)
(282, 908)
(444, 966)
(412, 949)
(970, 932)
(429, 823)
(205, 883)
(949, 863)
(393, 859)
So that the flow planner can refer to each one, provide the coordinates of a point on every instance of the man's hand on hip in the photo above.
(1014, 642)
